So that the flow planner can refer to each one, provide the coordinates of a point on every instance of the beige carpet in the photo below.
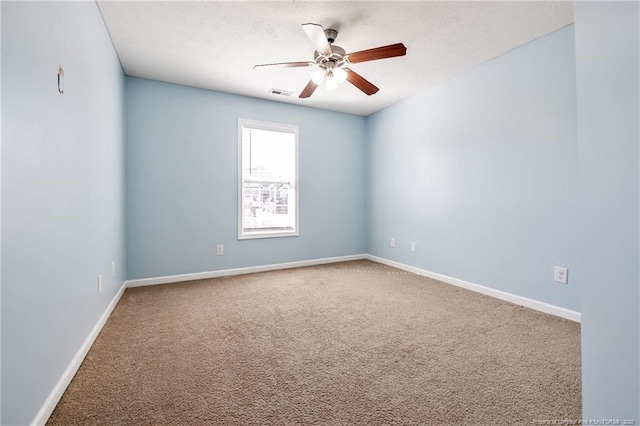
(341, 344)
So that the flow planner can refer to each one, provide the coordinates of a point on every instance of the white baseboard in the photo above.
(241, 271)
(55, 395)
(498, 294)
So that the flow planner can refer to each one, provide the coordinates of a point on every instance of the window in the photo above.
(268, 180)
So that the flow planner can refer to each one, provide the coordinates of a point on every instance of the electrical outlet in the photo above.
(219, 250)
(413, 246)
(113, 269)
(99, 283)
(560, 275)
(393, 242)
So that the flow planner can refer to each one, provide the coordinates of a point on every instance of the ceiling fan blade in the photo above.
(285, 64)
(308, 90)
(360, 82)
(316, 34)
(382, 52)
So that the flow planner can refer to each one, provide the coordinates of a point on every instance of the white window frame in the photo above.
(277, 127)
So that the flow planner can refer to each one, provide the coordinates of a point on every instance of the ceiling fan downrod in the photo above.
(331, 35)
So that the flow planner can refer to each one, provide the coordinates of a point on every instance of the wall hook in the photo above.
(60, 80)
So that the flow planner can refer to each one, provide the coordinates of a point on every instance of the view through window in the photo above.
(268, 180)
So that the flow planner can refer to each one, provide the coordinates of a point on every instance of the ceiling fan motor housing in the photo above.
(335, 59)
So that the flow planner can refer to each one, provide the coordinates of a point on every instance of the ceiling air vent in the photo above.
(280, 92)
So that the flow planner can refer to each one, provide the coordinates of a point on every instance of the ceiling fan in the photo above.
(332, 60)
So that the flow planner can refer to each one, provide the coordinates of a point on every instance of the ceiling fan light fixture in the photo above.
(332, 84)
(339, 75)
(317, 76)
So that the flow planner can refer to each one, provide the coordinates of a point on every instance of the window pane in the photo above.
(268, 181)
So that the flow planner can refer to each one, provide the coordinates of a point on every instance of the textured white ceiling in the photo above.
(214, 45)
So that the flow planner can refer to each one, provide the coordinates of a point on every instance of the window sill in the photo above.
(267, 234)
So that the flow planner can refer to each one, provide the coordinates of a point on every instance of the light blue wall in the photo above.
(182, 181)
(481, 173)
(62, 192)
(607, 71)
